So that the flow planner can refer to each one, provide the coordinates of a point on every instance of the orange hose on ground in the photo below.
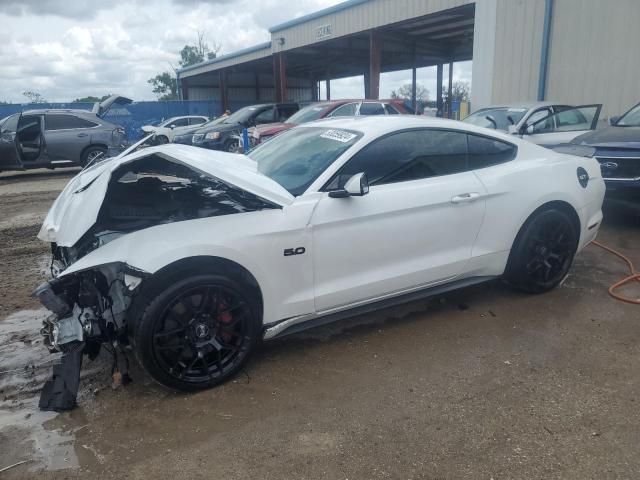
(635, 276)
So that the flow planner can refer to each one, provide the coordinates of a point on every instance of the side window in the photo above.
(371, 108)
(409, 155)
(391, 110)
(265, 116)
(347, 110)
(54, 121)
(538, 115)
(179, 122)
(10, 125)
(485, 152)
(285, 112)
(196, 121)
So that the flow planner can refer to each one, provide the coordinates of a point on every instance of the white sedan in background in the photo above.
(168, 129)
(195, 255)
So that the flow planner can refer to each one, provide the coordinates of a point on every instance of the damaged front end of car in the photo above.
(88, 310)
(90, 298)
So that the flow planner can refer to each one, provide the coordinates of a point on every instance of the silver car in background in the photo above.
(60, 138)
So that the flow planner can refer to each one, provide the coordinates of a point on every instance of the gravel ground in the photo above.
(481, 383)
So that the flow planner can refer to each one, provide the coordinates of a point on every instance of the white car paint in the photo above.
(165, 130)
(535, 114)
(399, 238)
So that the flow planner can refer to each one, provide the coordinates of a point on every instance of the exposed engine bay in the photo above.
(90, 308)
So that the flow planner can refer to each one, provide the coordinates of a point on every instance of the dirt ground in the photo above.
(482, 383)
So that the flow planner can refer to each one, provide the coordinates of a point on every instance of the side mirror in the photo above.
(528, 130)
(356, 186)
(613, 120)
(172, 127)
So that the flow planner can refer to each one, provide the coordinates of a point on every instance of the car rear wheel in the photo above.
(542, 252)
(198, 332)
(161, 140)
(91, 154)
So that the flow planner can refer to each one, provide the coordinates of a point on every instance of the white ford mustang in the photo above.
(195, 255)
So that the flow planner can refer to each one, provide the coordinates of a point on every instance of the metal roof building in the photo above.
(573, 51)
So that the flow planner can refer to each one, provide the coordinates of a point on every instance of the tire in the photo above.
(542, 252)
(197, 331)
(161, 140)
(232, 146)
(91, 153)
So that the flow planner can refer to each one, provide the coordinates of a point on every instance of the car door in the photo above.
(66, 136)
(415, 227)
(9, 156)
(563, 125)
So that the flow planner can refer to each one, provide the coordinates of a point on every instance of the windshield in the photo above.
(307, 114)
(213, 122)
(498, 118)
(241, 115)
(631, 118)
(298, 156)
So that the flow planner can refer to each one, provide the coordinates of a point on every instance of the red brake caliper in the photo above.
(224, 317)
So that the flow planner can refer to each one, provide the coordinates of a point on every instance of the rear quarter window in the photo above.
(484, 152)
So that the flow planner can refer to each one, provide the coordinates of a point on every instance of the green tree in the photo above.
(165, 86)
(91, 99)
(198, 53)
(404, 93)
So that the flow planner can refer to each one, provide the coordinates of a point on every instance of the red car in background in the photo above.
(331, 108)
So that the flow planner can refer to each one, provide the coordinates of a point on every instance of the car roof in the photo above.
(527, 105)
(75, 111)
(375, 126)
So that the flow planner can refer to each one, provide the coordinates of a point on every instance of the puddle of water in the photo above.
(24, 366)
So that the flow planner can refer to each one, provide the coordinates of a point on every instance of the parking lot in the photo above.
(481, 383)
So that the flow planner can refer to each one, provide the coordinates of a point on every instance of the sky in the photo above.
(67, 49)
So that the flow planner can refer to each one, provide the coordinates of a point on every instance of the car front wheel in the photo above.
(542, 252)
(197, 332)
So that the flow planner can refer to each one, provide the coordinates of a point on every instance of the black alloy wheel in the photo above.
(543, 252)
(197, 333)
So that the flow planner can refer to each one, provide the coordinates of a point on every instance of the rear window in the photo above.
(66, 122)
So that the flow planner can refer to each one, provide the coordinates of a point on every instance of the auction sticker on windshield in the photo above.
(338, 136)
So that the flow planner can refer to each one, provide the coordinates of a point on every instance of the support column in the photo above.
(439, 89)
(314, 89)
(367, 84)
(257, 78)
(414, 82)
(328, 89)
(375, 60)
(184, 89)
(280, 77)
(224, 94)
(450, 91)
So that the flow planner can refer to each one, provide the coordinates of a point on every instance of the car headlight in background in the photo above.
(212, 136)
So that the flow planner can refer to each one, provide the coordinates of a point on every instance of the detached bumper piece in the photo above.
(60, 392)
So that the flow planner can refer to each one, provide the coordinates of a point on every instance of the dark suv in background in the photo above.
(59, 138)
(224, 135)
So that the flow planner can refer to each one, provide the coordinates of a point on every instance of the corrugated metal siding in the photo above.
(484, 40)
(203, 93)
(595, 53)
(518, 40)
(234, 60)
(361, 17)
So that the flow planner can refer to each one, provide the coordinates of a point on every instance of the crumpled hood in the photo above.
(613, 137)
(76, 208)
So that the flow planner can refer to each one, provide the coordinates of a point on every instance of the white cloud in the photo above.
(66, 49)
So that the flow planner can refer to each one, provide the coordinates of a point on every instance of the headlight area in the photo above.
(88, 310)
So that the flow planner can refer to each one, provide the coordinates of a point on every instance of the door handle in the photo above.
(83, 135)
(465, 197)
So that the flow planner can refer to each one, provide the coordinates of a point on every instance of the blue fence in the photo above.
(135, 115)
